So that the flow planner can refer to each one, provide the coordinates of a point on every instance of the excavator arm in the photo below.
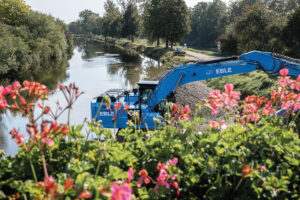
(187, 73)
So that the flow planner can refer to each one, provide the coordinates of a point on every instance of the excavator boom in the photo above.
(245, 63)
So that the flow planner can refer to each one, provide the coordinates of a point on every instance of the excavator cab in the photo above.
(145, 89)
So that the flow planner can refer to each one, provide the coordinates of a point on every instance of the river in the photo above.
(94, 68)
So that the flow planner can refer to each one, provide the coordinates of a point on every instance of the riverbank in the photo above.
(165, 56)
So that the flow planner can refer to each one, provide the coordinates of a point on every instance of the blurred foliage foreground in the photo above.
(254, 157)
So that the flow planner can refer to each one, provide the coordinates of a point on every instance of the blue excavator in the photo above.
(149, 98)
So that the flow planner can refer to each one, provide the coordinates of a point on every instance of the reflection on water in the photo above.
(95, 68)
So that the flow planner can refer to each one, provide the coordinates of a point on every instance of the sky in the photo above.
(68, 10)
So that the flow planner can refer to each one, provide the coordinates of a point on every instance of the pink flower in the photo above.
(163, 175)
(17, 85)
(121, 193)
(48, 141)
(130, 175)
(295, 85)
(49, 185)
(175, 185)
(284, 72)
(174, 177)
(174, 161)
(268, 110)
(215, 124)
(228, 88)
(175, 108)
(68, 184)
(4, 91)
(3, 102)
(143, 178)
(19, 138)
(230, 96)
(118, 106)
(85, 194)
(162, 166)
(126, 107)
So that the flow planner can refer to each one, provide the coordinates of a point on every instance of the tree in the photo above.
(291, 33)
(131, 20)
(112, 20)
(90, 21)
(13, 12)
(208, 22)
(175, 20)
(258, 29)
(152, 20)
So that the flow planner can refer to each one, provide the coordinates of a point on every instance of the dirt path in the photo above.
(190, 55)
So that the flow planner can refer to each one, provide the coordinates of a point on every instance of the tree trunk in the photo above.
(167, 44)
(132, 38)
(157, 42)
(172, 45)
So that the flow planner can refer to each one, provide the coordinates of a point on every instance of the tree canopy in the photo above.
(13, 12)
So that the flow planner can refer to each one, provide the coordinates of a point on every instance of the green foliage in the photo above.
(112, 20)
(291, 33)
(166, 19)
(258, 83)
(208, 22)
(39, 42)
(89, 22)
(254, 31)
(131, 21)
(261, 25)
(13, 12)
(210, 163)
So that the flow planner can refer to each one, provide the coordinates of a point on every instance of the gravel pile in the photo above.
(191, 94)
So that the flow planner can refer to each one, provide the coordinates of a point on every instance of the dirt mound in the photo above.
(191, 94)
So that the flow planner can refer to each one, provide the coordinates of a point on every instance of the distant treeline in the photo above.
(30, 40)
(241, 26)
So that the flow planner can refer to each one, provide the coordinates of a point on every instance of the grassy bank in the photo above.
(140, 46)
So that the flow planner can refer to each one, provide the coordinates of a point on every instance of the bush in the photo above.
(31, 42)
(256, 157)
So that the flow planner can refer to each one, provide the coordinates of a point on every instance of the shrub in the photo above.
(256, 157)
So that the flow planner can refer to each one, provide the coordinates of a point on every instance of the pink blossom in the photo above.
(48, 141)
(230, 96)
(17, 85)
(268, 110)
(85, 194)
(174, 177)
(121, 193)
(284, 81)
(162, 166)
(284, 72)
(143, 178)
(118, 106)
(4, 91)
(215, 124)
(174, 161)
(3, 102)
(296, 84)
(19, 138)
(130, 175)
(175, 185)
